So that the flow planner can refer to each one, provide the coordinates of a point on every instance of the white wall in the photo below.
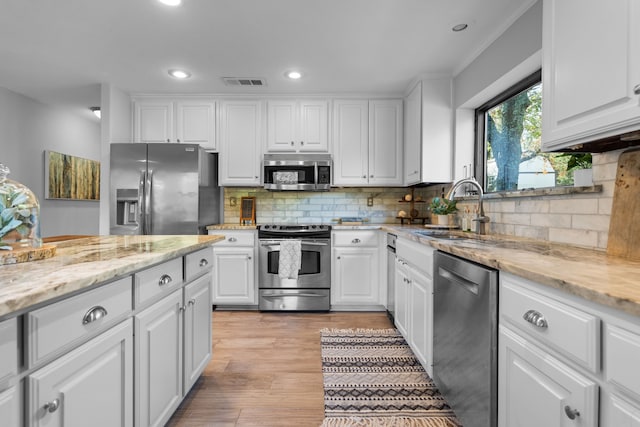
(27, 129)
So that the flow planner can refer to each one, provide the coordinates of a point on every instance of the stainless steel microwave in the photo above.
(298, 172)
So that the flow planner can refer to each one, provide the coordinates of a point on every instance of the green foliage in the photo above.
(578, 160)
(442, 206)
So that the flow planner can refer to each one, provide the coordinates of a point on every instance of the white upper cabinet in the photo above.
(297, 125)
(241, 130)
(591, 70)
(182, 121)
(367, 142)
(428, 153)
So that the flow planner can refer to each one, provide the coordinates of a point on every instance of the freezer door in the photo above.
(172, 189)
(128, 168)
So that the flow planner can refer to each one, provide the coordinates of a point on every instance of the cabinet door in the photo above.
(313, 126)
(402, 297)
(153, 121)
(240, 140)
(281, 126)
(233, 280)
(591, 78)
(11, 406)
(620, 412)
(385, 142)
(537, 390)
(158, 361)
(351, 142)
(421, 318)
(195, 123)
(356, 279)
(90, 385)
(412, 136)
(197, 329)
(437, 130)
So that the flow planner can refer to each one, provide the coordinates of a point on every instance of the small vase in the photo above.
(19, 215)
(443, 219)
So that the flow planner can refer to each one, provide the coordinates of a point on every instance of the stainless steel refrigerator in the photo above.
(163, 189)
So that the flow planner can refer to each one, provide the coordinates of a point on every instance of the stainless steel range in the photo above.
(310, 288)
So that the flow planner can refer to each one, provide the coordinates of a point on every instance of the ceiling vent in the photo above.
(244, 81)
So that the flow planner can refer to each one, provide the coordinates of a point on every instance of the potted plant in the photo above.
(580, 164)
(442, 207)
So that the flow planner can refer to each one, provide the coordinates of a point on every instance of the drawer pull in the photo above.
(356, 241)
(52, 406)
(536, 319)
(232, 239)
(165, 279)
(571, 413)
(204, 262)
(192, 301)
(94, 313)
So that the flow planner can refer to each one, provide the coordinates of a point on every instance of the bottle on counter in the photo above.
(19, 214)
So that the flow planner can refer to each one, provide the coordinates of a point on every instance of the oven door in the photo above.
(315, 270)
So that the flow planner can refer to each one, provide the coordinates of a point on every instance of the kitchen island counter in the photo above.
(82, 263)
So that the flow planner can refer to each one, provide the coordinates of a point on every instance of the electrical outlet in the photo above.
(370, 201)
(233, 202)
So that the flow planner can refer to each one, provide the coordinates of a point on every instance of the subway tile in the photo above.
(551, 220)
(532, 206)
(540, 233)
(604, 172)
(605, 205)
(585, 238)
(573, 205)
(590, 222)
(516, 218)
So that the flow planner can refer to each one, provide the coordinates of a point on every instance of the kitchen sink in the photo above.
(442, 235)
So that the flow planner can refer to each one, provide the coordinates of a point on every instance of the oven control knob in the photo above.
(313, 226)
(266, 227)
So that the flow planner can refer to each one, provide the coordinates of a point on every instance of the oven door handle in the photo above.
(301, 294)
(276, 245)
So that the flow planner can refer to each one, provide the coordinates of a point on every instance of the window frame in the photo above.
(480, 146)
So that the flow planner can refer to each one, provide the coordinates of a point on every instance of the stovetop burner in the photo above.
(294, 230)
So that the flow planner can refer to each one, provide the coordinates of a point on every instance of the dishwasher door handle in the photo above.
(459, 280)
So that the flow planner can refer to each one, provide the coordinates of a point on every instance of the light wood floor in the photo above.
(266, 369)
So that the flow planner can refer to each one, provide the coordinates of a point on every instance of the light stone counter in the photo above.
(591, 274)
(82, 263)
(231, 227)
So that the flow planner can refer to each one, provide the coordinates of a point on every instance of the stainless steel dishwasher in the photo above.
(465, 338)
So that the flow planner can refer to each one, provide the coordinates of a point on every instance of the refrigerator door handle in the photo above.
(147, 202)
(141, 206)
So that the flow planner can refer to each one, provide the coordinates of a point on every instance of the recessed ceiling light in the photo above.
(179, 74)
(294, 75)
(459, 27)
(171, 2)
(96, 111)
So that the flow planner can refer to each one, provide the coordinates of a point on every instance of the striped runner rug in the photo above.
(372, 379)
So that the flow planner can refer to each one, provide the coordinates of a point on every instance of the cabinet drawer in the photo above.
(418, 255)
(621, 356)
(8, 349)
(197, 263)
(70, 321)
(157, 280)
(355, 238)
(572, 332)
(237, 238)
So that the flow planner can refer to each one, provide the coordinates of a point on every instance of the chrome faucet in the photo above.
(481, 220)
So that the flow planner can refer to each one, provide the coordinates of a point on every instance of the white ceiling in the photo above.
(59, 51)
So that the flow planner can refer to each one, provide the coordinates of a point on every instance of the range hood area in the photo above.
(630, 139)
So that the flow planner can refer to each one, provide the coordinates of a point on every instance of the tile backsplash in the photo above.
(579, 219)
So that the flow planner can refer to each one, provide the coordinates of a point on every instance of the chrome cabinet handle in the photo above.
(192, 301)
(370, 176)
(364, 176)
(571, 413)
(94, 313)
(301, 142)
(204, 262)
(165, 280)
(52, 406)
(232, 239)
(338, 258)
(249, 257)
(183, 308)
(536, 319)
(636, 90)
(292, 143)
(356, 241)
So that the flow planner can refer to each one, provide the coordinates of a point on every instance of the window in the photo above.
(509, 142)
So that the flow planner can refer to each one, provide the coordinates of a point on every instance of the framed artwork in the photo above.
(70, 178)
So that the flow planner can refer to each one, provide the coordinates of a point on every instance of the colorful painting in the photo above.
(70, 177)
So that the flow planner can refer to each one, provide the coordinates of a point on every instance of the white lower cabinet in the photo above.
(538, 390)
(11, 402)
(158, 360)
(91, 385)
(564, 361)
(414, 298)
(197, 330)
(234, 258)
(355, 269)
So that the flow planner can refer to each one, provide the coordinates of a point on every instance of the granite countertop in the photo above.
(591, 274)
(82, 263)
